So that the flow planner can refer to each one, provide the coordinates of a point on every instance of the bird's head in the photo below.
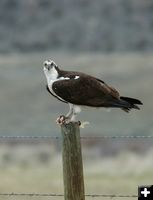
(50, 69)
(49, 65)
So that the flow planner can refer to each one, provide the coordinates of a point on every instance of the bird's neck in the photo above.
(50, 75)
(54, 74)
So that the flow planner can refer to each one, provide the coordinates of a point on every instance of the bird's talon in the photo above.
(65, 120)
(79, 123)
(60, 120)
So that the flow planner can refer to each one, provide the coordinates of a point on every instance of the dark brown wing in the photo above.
(47, 88)
(112, 91)
(86, 90)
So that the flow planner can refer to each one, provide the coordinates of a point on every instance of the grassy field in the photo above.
(38, 169)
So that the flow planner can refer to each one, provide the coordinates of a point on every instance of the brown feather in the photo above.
(86, 90)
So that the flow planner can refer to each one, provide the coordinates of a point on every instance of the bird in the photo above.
(79, 90)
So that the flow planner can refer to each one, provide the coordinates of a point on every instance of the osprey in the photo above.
(79, 89)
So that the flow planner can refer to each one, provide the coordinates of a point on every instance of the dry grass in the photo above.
(27, 173)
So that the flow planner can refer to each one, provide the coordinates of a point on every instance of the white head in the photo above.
(50, 70)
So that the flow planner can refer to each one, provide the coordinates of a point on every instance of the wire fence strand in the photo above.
(61, 195)
(83, 137)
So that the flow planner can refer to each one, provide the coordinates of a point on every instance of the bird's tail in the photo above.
(126, 103)
(129, 103)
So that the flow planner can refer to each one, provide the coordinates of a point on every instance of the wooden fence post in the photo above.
(72, 162)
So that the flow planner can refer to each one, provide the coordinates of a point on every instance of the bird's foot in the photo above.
(65, 120)
(62, 120)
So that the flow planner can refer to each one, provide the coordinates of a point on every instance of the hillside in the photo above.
(82, 25)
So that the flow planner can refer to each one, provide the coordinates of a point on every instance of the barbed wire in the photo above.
(61, 195)
(82, 137)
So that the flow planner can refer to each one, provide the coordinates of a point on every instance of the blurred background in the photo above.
(110, 39)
